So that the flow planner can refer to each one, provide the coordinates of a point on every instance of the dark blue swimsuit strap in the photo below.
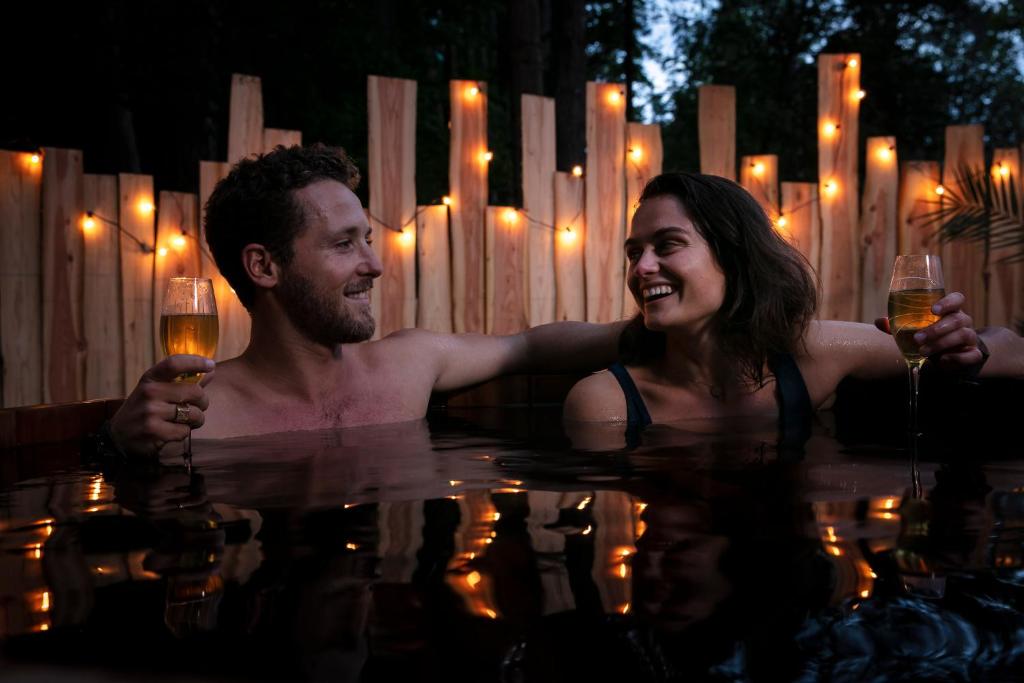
(637, 416)
(794, 402)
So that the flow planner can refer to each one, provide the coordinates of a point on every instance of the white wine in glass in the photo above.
(915, 287)
(188, 324)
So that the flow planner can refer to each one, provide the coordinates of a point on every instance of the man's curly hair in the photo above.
(255, 204)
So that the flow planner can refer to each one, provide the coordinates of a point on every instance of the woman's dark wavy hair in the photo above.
(255, 204)
(770, 290)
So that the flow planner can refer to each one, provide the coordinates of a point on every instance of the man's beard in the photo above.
(316, 314)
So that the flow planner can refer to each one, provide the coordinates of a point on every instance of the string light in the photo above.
(852, 63)
(510, 216)
(829, 129)
(406, 237)
(1003, 169)
(758, 168)
(577, 171)
(860, 95)
(472, 91)
(614, 97)
(567, 236)
(940, 190)
(446, 200)
(486, 156)
(831, 187)
(179, 242)
(88, 222)
(636, 153)
(781, 221)
(35, 158)
(884, 153)
(145, 206)
(162, 251)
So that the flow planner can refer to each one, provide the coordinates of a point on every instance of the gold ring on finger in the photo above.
(181, 411)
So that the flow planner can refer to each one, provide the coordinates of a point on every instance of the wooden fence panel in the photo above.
(963, 262)
(538, 144)
(716, 124)
(878, 225)
(434, 310)
(272, 137)
(21, 326)
(101, 305)
(245, 117)
(838, 108)
(570, 296)
(232, 318)
(605, 201)
(135, 211)
(759, 175)
(63, 252)
(507, 273)
(643, 162)
(392, 174)
(1007, 281)
(177, 250)
(917, 197)
(467, 177)
(800, 222)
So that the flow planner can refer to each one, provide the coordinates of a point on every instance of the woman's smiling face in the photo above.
(672, 273)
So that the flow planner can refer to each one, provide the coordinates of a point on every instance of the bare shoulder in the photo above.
(834, 349)
(596, 398)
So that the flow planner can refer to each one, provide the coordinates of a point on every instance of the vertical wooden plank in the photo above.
(21, 301)
(716, 125)
(917, 197)
(245, 117)
(138, 234)
(759, 175)
(799, 222)
(604, 264)
(570, 296)
(467, 177)
(434, 310)
(1007, 281)
(538, 115)
(272, 137)
(392, 172)
(177, 250)
(838, 108)
(507, 274)
(232, 319)
(101, 305)
(63, 268)
(878, 226)
(962, 262)
(643, 162)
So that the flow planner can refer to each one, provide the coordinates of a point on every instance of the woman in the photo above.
(726, 326)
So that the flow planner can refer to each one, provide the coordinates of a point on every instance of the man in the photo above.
(291, 237)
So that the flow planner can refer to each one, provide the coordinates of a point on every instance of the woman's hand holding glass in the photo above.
(951, 341)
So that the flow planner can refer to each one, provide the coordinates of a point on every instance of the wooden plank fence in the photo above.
(84, 258)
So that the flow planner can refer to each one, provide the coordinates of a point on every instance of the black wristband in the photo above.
(101, 445)
(975, 370)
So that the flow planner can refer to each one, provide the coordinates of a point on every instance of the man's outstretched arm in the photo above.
(467, 359)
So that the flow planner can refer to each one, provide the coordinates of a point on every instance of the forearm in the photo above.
(1006, 351)
(568, 347)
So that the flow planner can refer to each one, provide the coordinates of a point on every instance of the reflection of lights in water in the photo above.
(641, 528)
(584, 503)
(488, 540)
(831, 535)
(865, 593)
(496, 517)
(491, 613)
(622, 571)
(454, 497)
(96, 488)
(510, 490)
(623, 551)
(92, 509)
(352, 546)
(473, 579)
(346, 506)
(890, 503)
(834, 550)
(624, 609)
(454, 482)
(588, 530)
(494, 534)
(42, 627)
(44, 601)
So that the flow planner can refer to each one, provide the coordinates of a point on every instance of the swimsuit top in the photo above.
(794, 402)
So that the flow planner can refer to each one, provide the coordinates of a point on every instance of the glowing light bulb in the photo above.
(145, 206)
(831, 187)
(473, 579)
(35, 158)
(860, 95)
(852, 63)
(510, 216)
(577, 171)
(884, 153)
(940, 190)
(567, 236)
(406, 237)
(614, 97)
(486, 156)
(828, 129)
(446, 200)
(179, 242)
(636, 153)
(162, 251)
(472, 91)
(781, 221)
(1004, 170)
(88, 223)
(758, 168)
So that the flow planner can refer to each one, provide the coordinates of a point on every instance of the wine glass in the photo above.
(188, 324)
(916, 286)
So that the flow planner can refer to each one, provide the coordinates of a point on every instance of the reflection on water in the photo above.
(459, 551)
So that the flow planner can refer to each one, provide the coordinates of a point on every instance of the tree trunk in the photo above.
(568, 43)
(525, 73)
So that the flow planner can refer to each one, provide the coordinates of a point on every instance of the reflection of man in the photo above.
(292, 239)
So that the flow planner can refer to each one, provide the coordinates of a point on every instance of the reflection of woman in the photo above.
(725, 328)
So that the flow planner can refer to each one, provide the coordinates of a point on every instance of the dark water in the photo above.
(478, 548)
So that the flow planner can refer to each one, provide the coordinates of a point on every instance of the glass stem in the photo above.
(915, 380)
